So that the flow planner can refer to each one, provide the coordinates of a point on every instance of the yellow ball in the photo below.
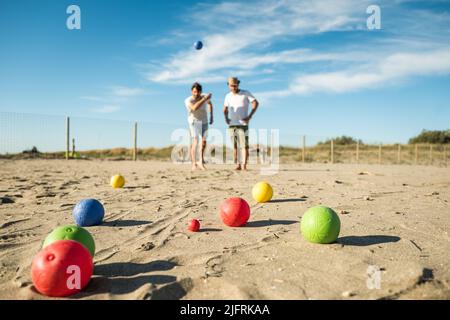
(117, 181)
(262, 192)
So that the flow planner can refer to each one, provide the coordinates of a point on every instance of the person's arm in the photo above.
(211, 115)
(255, 105)
(225, 112)
(199, 103)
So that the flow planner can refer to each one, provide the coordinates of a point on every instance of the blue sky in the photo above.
(314, 65)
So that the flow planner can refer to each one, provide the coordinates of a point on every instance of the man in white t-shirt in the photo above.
(198, 121)
(237, 117)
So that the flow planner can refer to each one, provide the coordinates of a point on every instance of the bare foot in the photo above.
(238, 167)
(244, 167)
(194, 166)
(202, 167)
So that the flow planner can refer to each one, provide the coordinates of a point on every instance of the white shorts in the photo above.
(198, 129)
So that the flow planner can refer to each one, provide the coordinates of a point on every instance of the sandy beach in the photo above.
(394, 218)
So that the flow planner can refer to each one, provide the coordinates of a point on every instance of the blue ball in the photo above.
(198, 45)
(88, 212)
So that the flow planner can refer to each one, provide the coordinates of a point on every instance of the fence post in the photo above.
(416, 154)
(399, 153)
(332, 151)
(431, 154)
(73, 148)
(304, 149)
(135, 142)
(67, 137)
(379, 154)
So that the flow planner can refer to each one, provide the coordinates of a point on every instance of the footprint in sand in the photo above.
(16, 235)
(146, 246)
(46, 195)
(214, 267)
(10, 223)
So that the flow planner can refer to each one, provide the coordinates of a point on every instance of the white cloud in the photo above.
(113, 97)
(243, 27)
(106, 109)
(121, 91)
(392, 68)
(241, 38)
(92, 98)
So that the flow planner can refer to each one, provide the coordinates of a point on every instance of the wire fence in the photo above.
(32, 135)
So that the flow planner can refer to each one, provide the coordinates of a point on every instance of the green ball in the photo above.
(74, 233)
(320, 225)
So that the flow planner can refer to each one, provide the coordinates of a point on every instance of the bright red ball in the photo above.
(62, 268)
(194, 225)
(235, 212)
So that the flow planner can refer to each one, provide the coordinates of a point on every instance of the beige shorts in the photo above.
(239, 135)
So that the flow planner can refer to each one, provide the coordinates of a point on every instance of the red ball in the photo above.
(62, 268)
(194, 225)
(235, 212)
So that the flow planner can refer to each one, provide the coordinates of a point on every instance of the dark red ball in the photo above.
(194, 225)
(235, 212)
(62, 268)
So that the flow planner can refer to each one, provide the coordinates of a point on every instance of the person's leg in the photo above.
(204, 136)
(234, 140)
(235, 155)
(237, 146)
(193, 152)
(246, 154)
(243, 144)
(246, 147)
(203, 151)
(194, 141)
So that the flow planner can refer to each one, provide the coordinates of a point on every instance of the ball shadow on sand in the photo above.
(125, 223)
(287, 200)
(210, 230)
(121, 285)
(362, 241)
(268, 223)
(127, 269)
(127, 277)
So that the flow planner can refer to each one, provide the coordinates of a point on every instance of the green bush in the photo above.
(343, 140)
(437, 137)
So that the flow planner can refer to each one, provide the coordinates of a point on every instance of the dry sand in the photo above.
(396, 218)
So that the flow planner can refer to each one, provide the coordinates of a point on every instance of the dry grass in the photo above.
(369, 154)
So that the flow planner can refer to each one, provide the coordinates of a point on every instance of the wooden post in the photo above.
(73, 148)
(304, 149)
(416, 156)
(67, 137)
(431, 154)
(379, 154)
(332, 151)
(399, 150)
(357, 151)
(135, 142)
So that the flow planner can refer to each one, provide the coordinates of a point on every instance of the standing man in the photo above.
(237, 117)
(198, 121)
